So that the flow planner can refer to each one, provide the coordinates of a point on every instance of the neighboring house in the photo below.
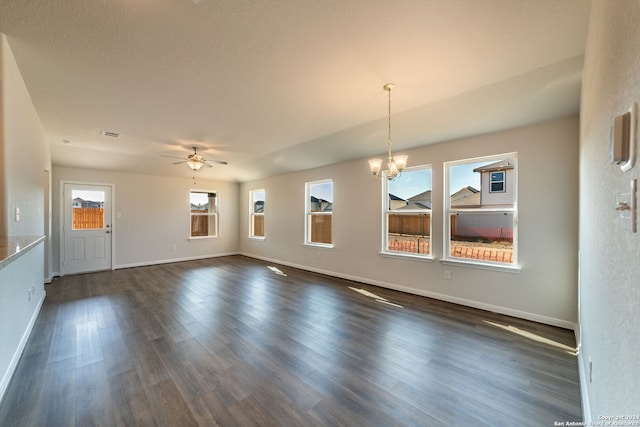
(258, 207)
(419, 201)
(466, 197)
(81, 203)
(396, 202)
(497, 181)
(320, 205)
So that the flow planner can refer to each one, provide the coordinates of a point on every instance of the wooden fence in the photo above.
(321, 229)
(415, 225)
(202, 225)
(87, 218)
(258, 225)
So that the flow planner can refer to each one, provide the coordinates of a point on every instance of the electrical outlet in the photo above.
(447, 275)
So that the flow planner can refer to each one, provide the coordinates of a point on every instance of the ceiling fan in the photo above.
(196, 161)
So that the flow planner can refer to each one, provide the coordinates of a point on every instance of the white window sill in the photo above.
(482, 265)
(408, 256)
(257, 238)
(319, 245)
(202, 237)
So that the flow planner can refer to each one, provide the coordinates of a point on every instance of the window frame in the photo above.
(448, 211)
(387, 211)
(209, 213)
(253, 214)
(308, 214)
(502, 181)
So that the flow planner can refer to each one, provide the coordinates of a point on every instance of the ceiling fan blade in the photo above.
(172, 157)
(177, 163)
(220, 162)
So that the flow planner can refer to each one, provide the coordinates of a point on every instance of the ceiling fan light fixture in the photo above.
(195, 164)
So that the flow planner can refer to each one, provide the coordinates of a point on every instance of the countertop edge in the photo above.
(12, 248)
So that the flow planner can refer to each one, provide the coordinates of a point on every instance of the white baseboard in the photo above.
(6, 378)
(583, 374)
(443, 297)
(168, 261)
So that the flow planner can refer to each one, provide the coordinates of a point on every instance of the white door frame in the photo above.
(62, 218)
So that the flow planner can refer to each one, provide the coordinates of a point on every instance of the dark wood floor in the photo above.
(229, 342)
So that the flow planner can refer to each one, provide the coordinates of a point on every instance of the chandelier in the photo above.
(397, 163)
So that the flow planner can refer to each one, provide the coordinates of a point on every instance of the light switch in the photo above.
(17, 214)
(626, 205)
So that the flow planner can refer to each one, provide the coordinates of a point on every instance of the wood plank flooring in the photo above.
(230, 342)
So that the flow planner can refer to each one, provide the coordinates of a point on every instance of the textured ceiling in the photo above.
(280, 85)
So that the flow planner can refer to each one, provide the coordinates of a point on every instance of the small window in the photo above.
(407, 212)
(256, 213)
(204, 213)
(497, 182)
(481, 210)
(319, 213)
(87, 209)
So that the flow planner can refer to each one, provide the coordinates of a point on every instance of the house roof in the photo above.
(497, 166)
(465, 197)
(279, 86)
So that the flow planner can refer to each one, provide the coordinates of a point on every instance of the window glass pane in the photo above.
(408, 212)
(258, 225)
(203, 213)
(257, 205)
(319, 206)
(411, 190)
(482, 236)
(257, 198)
(320, 229)
(88, 209)
(321, 197)
(409, 233)
(482, 209)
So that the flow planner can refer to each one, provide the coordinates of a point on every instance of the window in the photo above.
(319, 213)
(481, 210)
(204, 213)
(497, 182)
(407, 213)
(256, 213)
(87, 210)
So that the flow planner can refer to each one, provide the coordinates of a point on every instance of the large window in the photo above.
(407, 213)
(481, 210)
(256, 213)
(204, 213)
(319, 213)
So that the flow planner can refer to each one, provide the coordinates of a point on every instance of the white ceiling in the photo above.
(273, 86)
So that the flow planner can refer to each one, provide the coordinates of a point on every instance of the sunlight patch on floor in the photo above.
(374, 296)
(276, 270)
(534, 337)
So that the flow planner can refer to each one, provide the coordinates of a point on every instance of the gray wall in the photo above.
(544, 290)
(152, 216)
(609, 262)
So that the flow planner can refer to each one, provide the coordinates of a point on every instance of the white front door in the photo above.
(87, 228)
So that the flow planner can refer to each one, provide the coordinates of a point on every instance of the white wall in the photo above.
(154, 216)
(24, 176)
(26, 161)
(544, 290)
(609, 261)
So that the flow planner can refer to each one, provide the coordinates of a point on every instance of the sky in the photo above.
(411, 183)
(88, 195)
(323, 190)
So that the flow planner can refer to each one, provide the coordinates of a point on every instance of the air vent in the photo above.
(109, 134)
